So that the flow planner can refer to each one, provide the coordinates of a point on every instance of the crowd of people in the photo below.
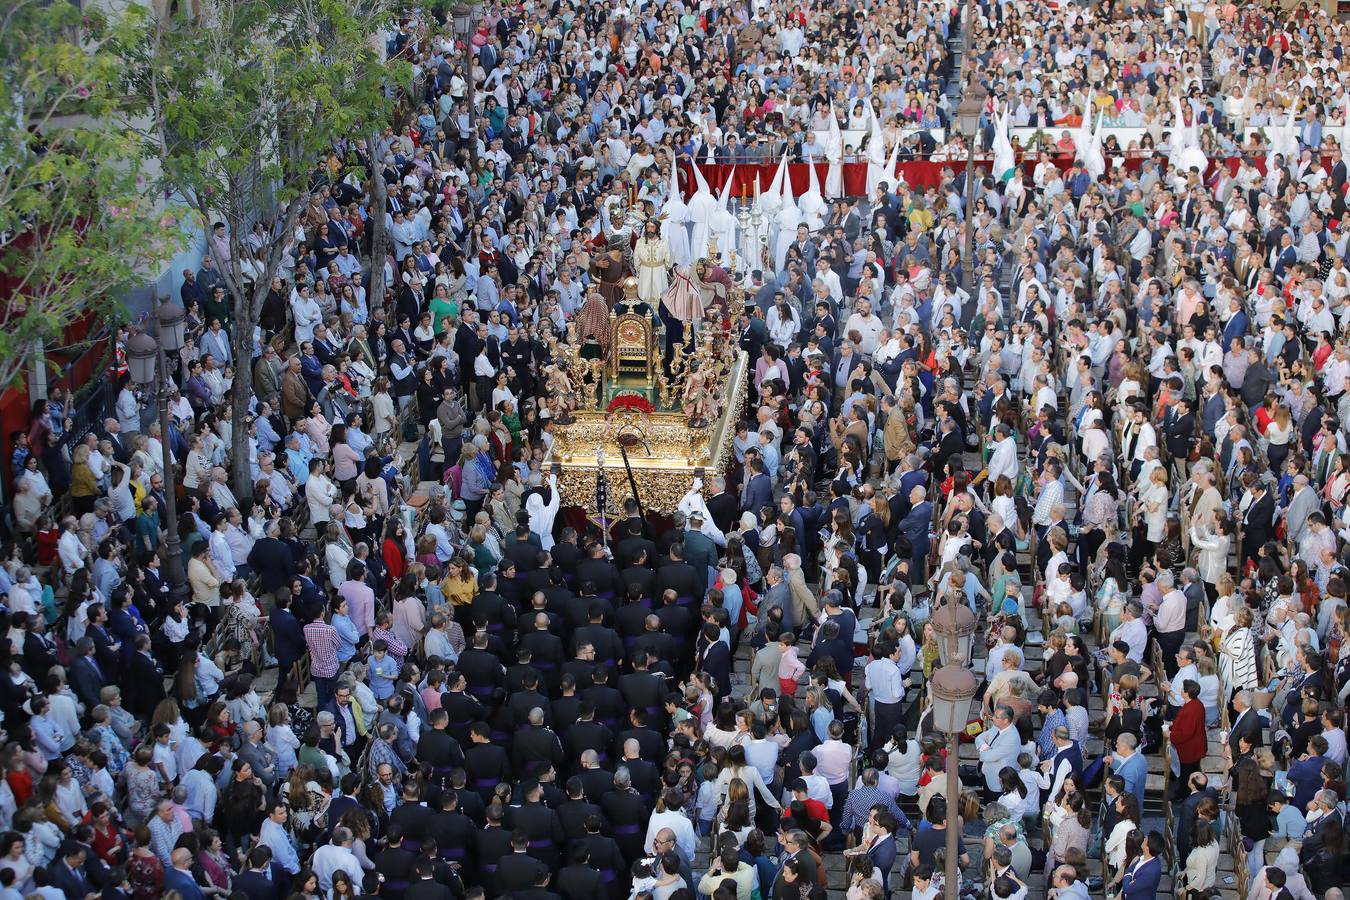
(1119, 437)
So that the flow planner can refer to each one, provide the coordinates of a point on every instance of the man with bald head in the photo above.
(1064, 885)
(536, 743)
(546, 649)
(121, 443)
(179, 876)
(914, 527)
(655, 643)
(667, 840)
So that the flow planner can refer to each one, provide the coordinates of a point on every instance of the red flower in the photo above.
(631, 403)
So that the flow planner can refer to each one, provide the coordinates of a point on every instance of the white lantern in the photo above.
(171, 326)
(141, 355)
(955, 627)
(953, 688)
(462, 14)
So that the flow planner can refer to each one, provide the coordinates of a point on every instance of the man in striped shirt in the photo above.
(323, 642)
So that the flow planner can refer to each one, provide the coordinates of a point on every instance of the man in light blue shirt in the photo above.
(275, 837)
(1289, 821)
(383, 671)
(1130, 765)
(200, 785)
(768, 450)
(297, 460)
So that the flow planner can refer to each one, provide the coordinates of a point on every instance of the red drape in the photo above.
(919, 174)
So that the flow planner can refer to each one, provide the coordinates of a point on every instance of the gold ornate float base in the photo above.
(663, 450)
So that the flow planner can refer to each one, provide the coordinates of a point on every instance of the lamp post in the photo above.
(148, 361)
(463, 16)
(968, 113)
(953, 687)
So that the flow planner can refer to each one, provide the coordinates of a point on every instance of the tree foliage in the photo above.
(251, 106)
(78, 227)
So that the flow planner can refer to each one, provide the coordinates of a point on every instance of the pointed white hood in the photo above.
(1005, 161)
(772, 199)
(1094, 160)
(812, 204)
(674, 219)
(876, 157)
(834, 154)
(726, 190)
(1344, 135)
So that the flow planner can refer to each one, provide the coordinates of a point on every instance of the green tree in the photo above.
(251, 107)
(77, 226)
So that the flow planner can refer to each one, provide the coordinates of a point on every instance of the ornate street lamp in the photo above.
(148, 361)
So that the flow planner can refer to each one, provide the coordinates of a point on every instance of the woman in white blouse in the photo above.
(198, 468)
(1212, 540)
(1114, 848)
(1202, 864)
(737, 767)
(1152, 502)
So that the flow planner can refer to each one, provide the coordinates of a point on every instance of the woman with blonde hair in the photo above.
(1151, 502)
(1238, 654)
(83, 485)
(484, 559)
(282, 739)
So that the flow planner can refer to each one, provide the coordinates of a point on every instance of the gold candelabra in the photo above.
(597, 368)
(679, 365)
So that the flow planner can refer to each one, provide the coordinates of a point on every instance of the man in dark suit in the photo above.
(1247, 723)
(912, 475)
(518, 871)
(915, 527)
(86, 678)
(66, 872)
(521, 551)
(144, 687)
(722, 506)
(565, 552)
(1258, 522)
(795, 846)
(264, 879)
(1179, 431)
(423, 887)
(346, 798)
(580, 880)
(699, 551)
(179, 877)
(1200, 789)
(950, 448)
(677, 575)
(632, 545)
(754, 332)
(112, 433)
(272, 561)
(714, 657)
(599, 571)
(288, 635)
(757, 492)
(1144, 874)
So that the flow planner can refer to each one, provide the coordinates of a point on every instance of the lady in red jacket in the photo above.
(1187, 732)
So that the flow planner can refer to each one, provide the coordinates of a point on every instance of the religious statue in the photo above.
(698, 400)
(560, 395)
(612, 250)
(593, 327)
(713, 285)
(653, 263)
(632, 300)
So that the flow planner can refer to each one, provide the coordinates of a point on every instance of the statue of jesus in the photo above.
(653, 264)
